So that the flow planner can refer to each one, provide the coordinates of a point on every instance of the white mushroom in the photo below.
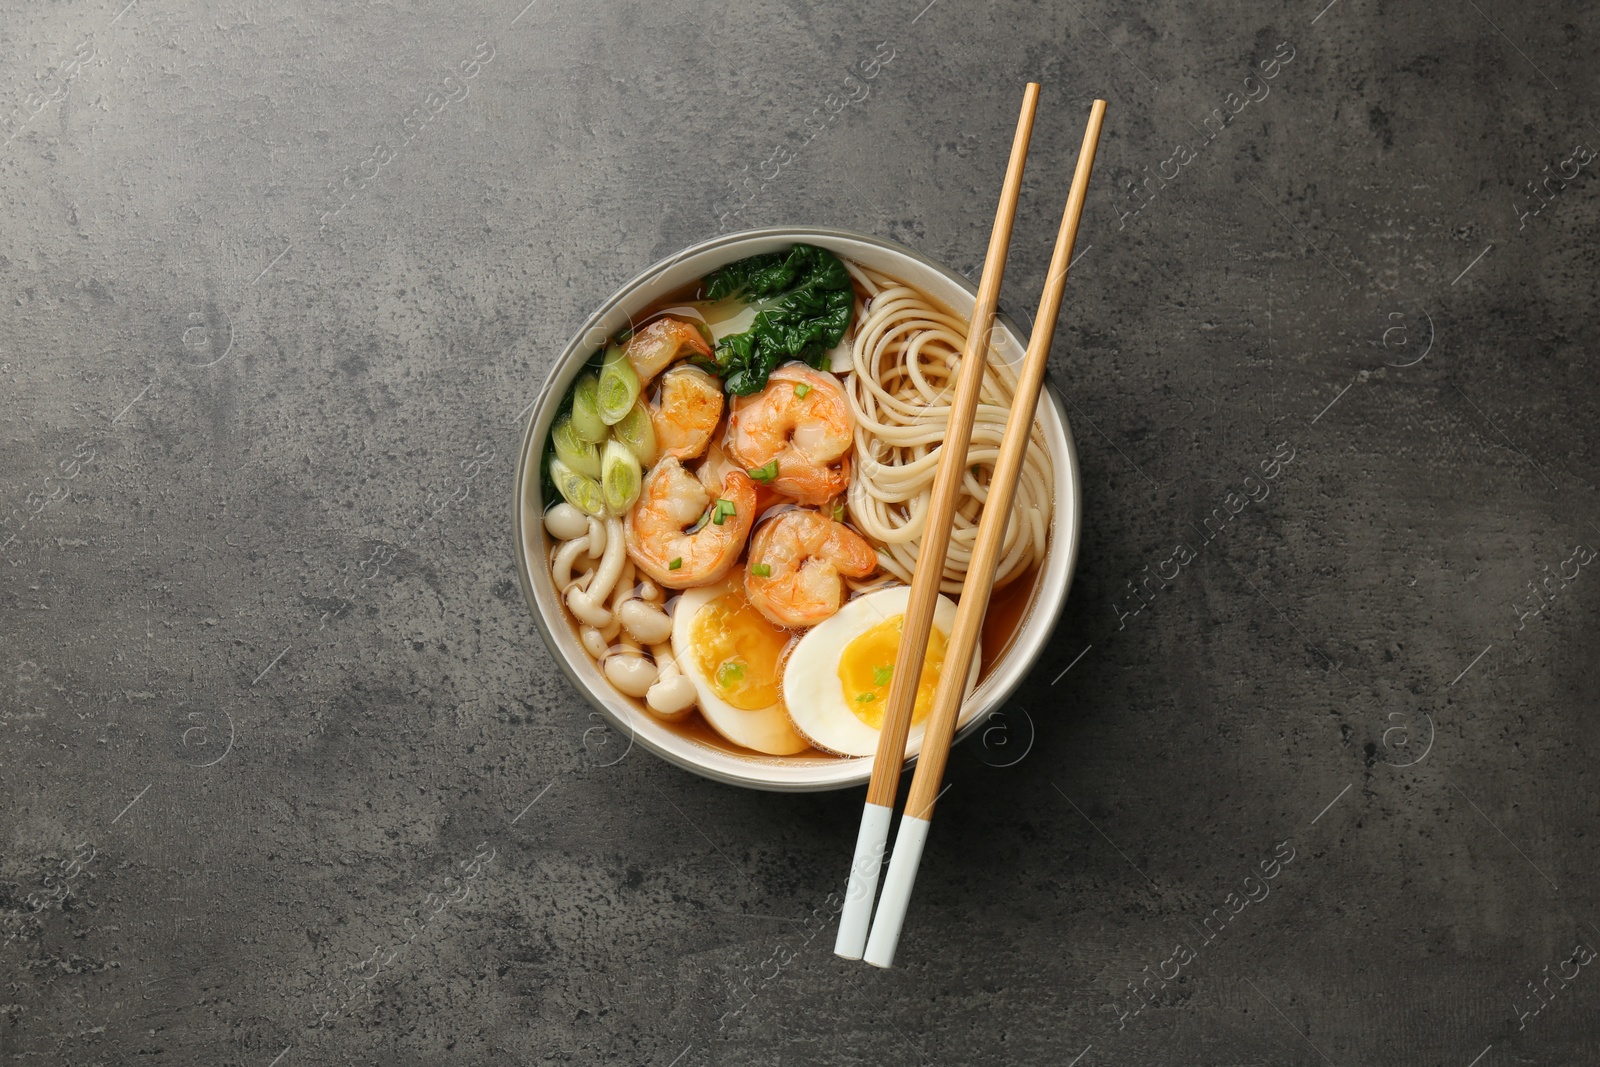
(564, 557)
(623, 590)
(566, 522)
(673, 696)
(594, 642)
(598, 536)
(633, 674)
(672, 699)
(589, 604)
(645, 621)
(650, 591)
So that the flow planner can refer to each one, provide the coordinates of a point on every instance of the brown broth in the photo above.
(1008, 610)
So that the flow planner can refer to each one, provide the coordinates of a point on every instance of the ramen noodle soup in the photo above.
(737, 489)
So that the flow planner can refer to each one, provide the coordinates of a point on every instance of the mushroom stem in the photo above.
(565, 556)
(623, 590)
(673, 695)
(589, 604)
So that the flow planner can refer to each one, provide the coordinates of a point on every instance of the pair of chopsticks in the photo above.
(853, 941)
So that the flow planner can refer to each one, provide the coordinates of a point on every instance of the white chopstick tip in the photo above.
(897, 884)
(855, 919)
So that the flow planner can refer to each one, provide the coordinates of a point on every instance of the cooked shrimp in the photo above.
(691, 405)
(802, 420)
(796, 561)
(715, 467)
(653, 349)
(671, 501)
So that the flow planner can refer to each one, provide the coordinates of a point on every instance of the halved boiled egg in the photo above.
(837, 678)
(732, 654)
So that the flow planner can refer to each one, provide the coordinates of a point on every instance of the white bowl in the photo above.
(793, 773)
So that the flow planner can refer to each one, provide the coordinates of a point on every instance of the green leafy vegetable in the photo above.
(805, 302)
(764, 474)
(761, 570)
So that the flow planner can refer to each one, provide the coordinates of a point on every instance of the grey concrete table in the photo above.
(287, 778)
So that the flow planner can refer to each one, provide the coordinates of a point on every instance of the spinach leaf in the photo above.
(805, 303)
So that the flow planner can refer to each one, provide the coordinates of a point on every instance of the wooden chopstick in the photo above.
(948, 696)
(886, 766)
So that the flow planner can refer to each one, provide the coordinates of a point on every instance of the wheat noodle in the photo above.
(905, 356)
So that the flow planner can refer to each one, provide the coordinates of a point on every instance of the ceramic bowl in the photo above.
(698, 750)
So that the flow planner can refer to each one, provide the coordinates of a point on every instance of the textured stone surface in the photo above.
(268, 680)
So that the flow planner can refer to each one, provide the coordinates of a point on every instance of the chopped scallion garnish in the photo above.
(801, 390)
(675, 564)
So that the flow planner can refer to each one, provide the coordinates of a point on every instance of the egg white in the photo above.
(811, 688)
(766, 729)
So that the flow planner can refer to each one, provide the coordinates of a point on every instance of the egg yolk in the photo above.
(867, 666)
(737, 651)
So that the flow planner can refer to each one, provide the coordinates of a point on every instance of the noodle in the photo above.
(906, 353)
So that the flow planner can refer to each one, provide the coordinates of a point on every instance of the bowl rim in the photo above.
(579, 342)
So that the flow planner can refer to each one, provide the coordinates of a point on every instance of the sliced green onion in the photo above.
(764, 474)
(582, 493)
(729, 673)
(881, 675)
(762, 570)
(619, 387)
(586, 420)
(838, 510)
(675, 564)
(619, 476)
(865, 698)
(573, 450)
(636, 432)
(723, 511)
(801, 390)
